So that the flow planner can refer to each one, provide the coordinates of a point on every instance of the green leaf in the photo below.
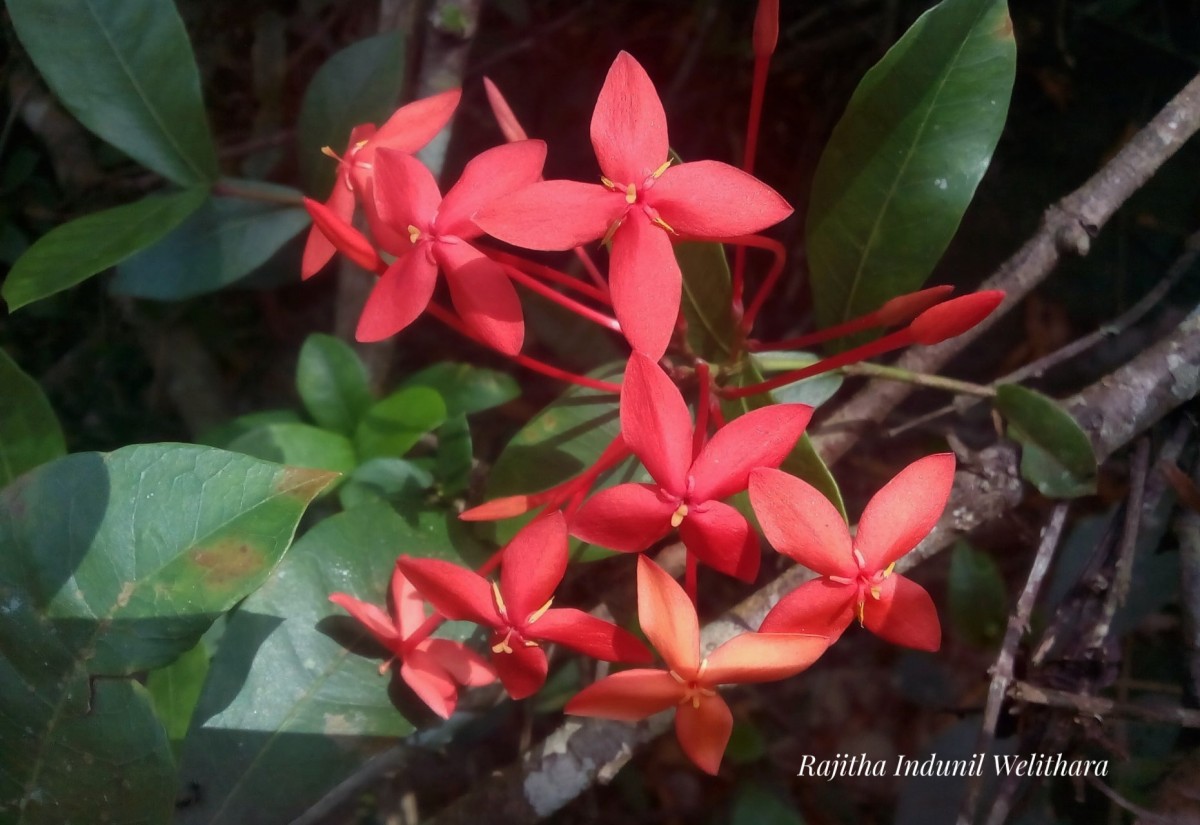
(359, 84)
(75, 251)
(290, 709)
(332, 382)
(803, 462)
(175, 690)
(754, 804)
(394, 425)
(707, 298)
(127, 72)
(298, 445)
(813, 391)
(29, 431)
(454, 455)
(465, 388)
(977, 595)
(385, 479)
(223, 241)
(1056, 455)
(111, 564)
(225, 434)
(904, 160)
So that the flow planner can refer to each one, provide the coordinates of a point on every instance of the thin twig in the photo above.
(936, 382)
(1141, 813)
(1099, 706)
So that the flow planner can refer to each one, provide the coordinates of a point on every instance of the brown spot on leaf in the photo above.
(1005, 30)
(227, 561)
(304, 484)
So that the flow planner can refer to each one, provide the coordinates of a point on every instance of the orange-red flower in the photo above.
(857, 577)
(702, 719)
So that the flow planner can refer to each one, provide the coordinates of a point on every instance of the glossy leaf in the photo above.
(222, 242)
(465, 388)
(454, 455)
(111, 564)
(813, 391)
(298, 445)
(393, 426)
(332, 383)
(385, 479)
(225, 434)
(127, 72)
(1056, 455)
(29, 431)
(905, 159)
(294, 700)
(977, 595)
(75, 251)
(175, 690)
(707, 297)
(359, 84)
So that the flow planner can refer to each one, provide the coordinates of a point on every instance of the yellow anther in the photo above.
(664, 225)
(414, 235)
(862, 610)
(502, 646)
(329, 153)
(839, 579)
(858, 557)
(658, 172)
(695, 700)
(703, 667)
(679, 515)
(889, 570)
(608, 183)
(875, 593)
(612, 230)
(631, 194)
(541, 611)
(360, 145)
(499, 599)
(530, 643)
(677, 677)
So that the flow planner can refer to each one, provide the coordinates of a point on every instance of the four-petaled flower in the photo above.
(688, 488)
(518, 608)
(857, 576)
(433, 667)
(641, 203)
(702, 719)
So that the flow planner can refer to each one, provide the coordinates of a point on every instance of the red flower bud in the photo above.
(954, 317)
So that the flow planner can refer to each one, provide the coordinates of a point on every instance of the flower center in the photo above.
(634, 195)
(513, 634)
(694, 690)
(868, 582)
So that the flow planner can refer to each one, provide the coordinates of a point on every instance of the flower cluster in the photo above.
(645, 202)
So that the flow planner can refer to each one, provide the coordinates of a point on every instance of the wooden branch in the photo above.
(1099, 706)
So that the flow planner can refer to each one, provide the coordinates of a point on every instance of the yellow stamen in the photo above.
(658, 172)
(631, 194)
(414, 235)
(676, 677)
(703, 667)
(359, 145)
(695, 700)
(608, 183)
(889, 570)
(530, 643)
(875, 593)
(840, 579)
(679, 515)
(329, 153)
(541, 611)
(502, 646)
(858, 557)
(383, 668)
(612, 230)
(862, 610)
(499, 599)
(664, 225)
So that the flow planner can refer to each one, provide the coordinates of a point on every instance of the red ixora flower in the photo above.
(688, 487)
(702, 719)
(407, 130)
(433, 667)
(518, 607)
(856, 573)
(641, 203)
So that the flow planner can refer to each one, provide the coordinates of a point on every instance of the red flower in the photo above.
(856, 574)
(518, 608)
(702, 719)
(688, 490)
(407, 130)
(644, 200)
(433, 667)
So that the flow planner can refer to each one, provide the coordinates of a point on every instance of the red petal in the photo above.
(348, 240)
(488, 176)
(801, 523)
(904, 615)
(318, 249)
(709, 199)
(905, 510)
(455, 592)
(404, 193)
(703, 731)
(629, 126)
(590, 636)
(463, 664)
(760, 438)
(628, 517)
(408, 608)
(483, 296)
(954, 317)
(553, 215)
(532, 566)
(646, 284)
(522, 672)
(412, 126)
(668, 618)
(377, 623)
(399, 297)
(721, 537)
(655, 423)
(627, 696)
(819, 607)
(904, 307)
(762, 657)
(430, 682)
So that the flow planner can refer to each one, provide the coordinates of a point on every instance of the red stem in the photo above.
(718, 417)
(589, 266)
(762, 63)
(585, 312)
(703, 403)
(449, 319)
(780, 257)
(550, 274)
(818, 337)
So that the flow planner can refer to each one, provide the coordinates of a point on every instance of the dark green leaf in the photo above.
(1056, 455)
(223, 241)
(78, 250)
(813, 391)
(332, 382)
(385, 479)
(290, 709)
(755, 805)
(109, 565)
(29, 431)
(298, 445)
(454, 455)
(225, 434)
(746, 744)
(466, 389)
(978, 598)
(359, 84)
(127, 72)
(175, 689)
(394, 425)
(904, 160)
(707, 298)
